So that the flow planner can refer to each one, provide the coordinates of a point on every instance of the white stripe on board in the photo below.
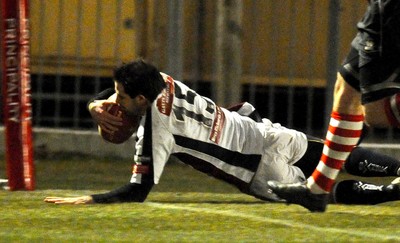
(381, 145)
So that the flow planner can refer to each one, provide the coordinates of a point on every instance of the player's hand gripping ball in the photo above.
(124, 132)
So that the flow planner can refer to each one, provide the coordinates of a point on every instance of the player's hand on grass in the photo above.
(70, 200)
(106, 121)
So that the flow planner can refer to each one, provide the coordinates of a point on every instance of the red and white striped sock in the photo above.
(343, 134)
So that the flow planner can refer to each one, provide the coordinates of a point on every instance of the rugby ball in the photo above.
(125, 131)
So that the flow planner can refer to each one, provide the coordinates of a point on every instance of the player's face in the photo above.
(136, 106)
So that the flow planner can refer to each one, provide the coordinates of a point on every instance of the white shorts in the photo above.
(283, 148)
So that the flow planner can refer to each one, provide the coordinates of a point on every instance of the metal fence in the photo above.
(281, 55)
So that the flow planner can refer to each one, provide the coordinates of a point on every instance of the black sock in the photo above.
(364, 162)
(358, 192)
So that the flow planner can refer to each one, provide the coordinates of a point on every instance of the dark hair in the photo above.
(140, 78)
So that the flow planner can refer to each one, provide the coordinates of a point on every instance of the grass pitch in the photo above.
(185, 207)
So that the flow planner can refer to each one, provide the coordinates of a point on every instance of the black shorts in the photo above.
(376, 79)
(373, 64)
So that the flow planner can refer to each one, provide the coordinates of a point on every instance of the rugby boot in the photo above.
(298, 193)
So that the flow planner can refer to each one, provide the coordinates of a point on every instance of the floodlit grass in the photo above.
(186, 207)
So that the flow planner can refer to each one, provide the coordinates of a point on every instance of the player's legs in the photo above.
(282, 148)
(374, 115)
(366, 85)
(374, 70)
(361, 162)
(346, 99)
(344, 131)
(274, 168)
(367, 163)
(391, 105)
(358, 192)
(384, 113)
(273, 171)
(368, 77)
(343, 134)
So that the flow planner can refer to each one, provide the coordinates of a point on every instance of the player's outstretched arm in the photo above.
(128, 193)
(70, 200)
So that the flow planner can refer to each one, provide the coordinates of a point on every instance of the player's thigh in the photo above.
(276, 168)
(375, 114)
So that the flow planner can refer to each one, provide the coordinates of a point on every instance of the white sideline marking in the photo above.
(276, 221)
(380, 145)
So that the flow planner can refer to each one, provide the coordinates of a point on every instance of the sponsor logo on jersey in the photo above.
(218, 125)
(164, 103)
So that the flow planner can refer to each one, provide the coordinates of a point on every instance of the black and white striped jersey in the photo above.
(212, 139)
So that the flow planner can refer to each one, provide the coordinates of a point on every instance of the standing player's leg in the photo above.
(363, 193)
(345, 127)
(344, 131)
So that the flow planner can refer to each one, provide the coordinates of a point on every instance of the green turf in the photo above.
(185, 207)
